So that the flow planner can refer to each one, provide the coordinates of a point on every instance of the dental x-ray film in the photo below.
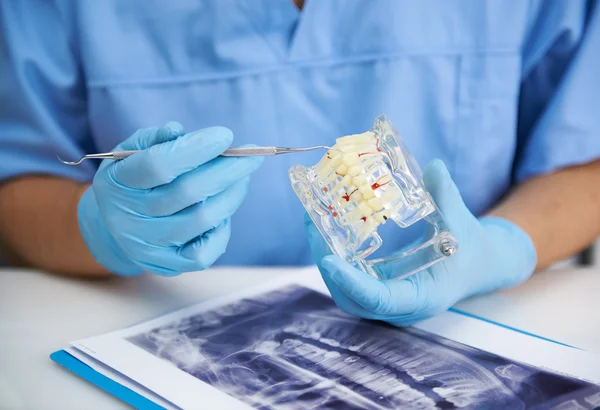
(292, 348)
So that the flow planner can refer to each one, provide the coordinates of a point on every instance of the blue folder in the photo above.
(116, 389)
(140, 402)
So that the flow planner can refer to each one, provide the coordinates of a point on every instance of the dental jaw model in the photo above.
(362, 183)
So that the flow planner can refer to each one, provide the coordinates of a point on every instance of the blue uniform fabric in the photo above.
(501, 91)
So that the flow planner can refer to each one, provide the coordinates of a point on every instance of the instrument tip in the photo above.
(68, 162)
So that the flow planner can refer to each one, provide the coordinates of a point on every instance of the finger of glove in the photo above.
(203, 252)
(384, 298)
(147, 137)
(162, 163)
(184, 226)
(446, 195)
(158, 260)
(393, 270)
(172, 261)
(320, 249)
(198, 185)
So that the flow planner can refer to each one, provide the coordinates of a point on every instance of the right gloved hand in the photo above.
(167, 209)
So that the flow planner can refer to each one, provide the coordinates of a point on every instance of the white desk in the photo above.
(40, 314)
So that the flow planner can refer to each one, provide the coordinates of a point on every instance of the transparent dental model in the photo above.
(363, 182)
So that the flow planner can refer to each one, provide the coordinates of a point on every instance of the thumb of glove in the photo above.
(446, 195)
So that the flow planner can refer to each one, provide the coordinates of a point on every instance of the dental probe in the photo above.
(229, 152)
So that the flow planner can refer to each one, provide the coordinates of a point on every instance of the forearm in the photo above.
(38, 216)
(560, 212)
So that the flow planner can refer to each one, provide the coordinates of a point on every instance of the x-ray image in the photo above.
(294, 349)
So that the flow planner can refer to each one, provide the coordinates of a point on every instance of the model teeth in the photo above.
(352, 177)
(359, 180)
(354, 170)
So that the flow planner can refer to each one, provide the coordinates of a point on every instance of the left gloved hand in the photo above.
(493, 253)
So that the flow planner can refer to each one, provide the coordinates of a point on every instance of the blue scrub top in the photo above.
(501, 91)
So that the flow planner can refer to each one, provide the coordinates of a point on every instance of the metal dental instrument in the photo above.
(229, 152)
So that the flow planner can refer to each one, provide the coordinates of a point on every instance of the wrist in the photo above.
(100, 243)
(514, 246)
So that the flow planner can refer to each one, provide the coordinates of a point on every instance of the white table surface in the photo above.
(40, 313)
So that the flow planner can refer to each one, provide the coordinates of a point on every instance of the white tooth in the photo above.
(351, 158)
(364, 189)
(368, 136)
(365, 209)
(390, 193)
(342, 169)
(346, 180)
(354, 170)
(366, 192)
(356, 148)
(322, 170)
(355, 348)
(359, 180)
(375, 203)
(336, 159)
(329, 342)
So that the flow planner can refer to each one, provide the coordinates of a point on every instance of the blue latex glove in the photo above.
(493, 253)
(167, 209)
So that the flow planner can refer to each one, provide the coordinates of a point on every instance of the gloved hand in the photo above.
(167, 209)
(493, 253)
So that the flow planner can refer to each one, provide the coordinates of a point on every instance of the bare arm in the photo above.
(560, 211)
(38, 216)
